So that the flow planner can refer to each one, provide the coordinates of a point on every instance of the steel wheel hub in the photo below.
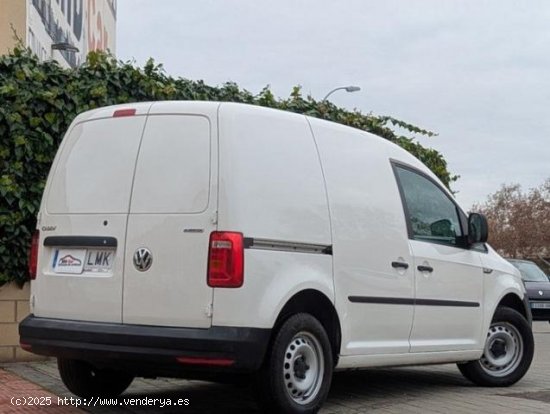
(303, 368)
(503, 349)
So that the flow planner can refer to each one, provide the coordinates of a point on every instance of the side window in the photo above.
(432, 215)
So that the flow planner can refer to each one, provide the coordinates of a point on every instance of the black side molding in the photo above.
(80, 241)
(381, 300)
(437, 302)
(412, 301)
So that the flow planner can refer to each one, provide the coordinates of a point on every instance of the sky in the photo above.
(475, 72)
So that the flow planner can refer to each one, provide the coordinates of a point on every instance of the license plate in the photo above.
(540, 305)
(77, 261)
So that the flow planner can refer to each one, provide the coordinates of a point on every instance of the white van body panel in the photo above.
(503, 279)
(457, 276)
(272, 279)
(86, 297)
(393, 360)
(79, 182)
(174, 202)
(271, 188)
(271, 183)
(369, 232)
(82, 194)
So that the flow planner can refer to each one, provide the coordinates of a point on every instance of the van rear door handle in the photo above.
(399, 265)
(428, 269)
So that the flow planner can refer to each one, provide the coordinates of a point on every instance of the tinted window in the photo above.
(432, 214)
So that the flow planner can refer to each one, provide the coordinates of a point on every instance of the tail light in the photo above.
(225, 259)
(33, 255)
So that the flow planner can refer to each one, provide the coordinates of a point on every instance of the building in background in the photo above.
(64, 24)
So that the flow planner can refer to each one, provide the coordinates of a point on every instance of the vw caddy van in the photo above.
(216, 240)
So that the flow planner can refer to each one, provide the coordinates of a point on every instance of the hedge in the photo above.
(38, 101)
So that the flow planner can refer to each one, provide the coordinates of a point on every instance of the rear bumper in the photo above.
(148, 350)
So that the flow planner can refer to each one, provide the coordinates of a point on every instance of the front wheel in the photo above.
(508, 352)
(297, 372)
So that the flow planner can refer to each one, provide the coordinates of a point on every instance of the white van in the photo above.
(206, 240)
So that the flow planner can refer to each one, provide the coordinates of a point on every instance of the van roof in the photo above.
(144, 108)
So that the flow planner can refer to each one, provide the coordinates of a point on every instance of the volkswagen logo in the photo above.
(540, 292)
(143, 259)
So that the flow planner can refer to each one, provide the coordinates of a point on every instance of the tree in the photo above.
(519, 222)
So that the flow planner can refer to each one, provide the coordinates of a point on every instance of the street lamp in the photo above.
(347, 89)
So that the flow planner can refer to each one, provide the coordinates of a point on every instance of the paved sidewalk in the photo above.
(414, 390)
(20, 396)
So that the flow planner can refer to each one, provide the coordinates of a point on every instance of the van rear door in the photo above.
(172, 213)
(83, 217)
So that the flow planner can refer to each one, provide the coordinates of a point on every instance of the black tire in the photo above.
(85, 381)
(510, 334)
(300, 354)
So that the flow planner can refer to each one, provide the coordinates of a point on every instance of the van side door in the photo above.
(373, 272)
(172, 213)
(84, 216)
(449, 276)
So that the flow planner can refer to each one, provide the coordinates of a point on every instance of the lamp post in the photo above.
(346, 88)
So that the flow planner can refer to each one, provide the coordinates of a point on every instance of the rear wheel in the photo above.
(508, 352)
(297, 372)
(84, 380)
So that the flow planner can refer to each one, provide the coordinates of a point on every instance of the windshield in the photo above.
(530, 272)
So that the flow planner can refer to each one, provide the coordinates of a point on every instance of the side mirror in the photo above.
(478, 229)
